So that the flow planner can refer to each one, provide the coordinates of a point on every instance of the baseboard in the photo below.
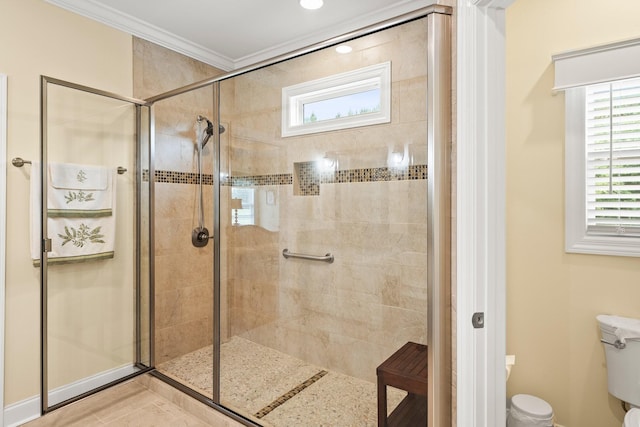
(21, 412)
(29, 409)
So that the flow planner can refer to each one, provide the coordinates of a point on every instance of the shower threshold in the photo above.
(278, 390)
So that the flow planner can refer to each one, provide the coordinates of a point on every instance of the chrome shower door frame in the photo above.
(45, 243)
(439, 228)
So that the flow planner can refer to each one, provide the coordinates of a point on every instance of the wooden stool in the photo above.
(405, 369)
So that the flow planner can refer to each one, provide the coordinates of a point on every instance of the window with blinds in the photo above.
(612, 133)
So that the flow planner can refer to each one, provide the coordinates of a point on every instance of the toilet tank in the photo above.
(623, 364)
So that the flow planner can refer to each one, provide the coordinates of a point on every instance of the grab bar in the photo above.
(20, 162)
(617, 344)
(327, 258)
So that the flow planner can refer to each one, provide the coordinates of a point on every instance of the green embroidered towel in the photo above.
(74, 238)
(79, 191)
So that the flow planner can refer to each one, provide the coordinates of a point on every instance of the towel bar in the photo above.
(327, 258)
(19, 162)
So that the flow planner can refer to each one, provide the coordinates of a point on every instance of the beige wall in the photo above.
(38, 38)
(553, 297)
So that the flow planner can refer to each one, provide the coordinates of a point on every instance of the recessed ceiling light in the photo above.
(344, 49)
(311, 4)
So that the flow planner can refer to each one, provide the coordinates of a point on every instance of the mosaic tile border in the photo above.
(175, 177)
(307, 174)
(288, 395)
(250, 181)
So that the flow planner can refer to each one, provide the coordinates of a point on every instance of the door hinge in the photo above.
(477, 320)
(46, 245)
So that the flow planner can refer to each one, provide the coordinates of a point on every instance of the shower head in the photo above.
(209, 130)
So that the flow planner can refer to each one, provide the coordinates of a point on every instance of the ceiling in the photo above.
(231, 34)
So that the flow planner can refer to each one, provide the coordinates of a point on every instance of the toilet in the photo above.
(529, 411)
(621, 339)
(632, 419)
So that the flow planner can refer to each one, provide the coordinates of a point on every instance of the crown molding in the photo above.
(111, 17)
(134, 26)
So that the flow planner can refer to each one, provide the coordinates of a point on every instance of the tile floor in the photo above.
(263, 384)
(272, 388)
(141, 402)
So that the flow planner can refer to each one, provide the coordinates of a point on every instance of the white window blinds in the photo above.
(613, 158)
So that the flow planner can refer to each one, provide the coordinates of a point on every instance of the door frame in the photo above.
(480, 198)
(3, 227)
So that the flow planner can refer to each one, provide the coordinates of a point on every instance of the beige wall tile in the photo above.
(376, 230)
(349, 315)
(183, 274)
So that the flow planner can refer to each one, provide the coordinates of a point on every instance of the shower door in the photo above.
(324, 232)
(93, 251)
(184, 178)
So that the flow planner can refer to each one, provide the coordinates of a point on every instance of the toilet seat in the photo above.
(632, 419)
(529, 411)
(532, 406)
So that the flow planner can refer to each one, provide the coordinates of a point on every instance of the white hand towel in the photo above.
(79, 191)
(80, 239)
(78, 177)
(73, 239)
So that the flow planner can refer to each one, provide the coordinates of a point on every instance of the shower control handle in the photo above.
(200, 237)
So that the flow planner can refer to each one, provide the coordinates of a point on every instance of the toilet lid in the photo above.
(632, 419)
(532, 406)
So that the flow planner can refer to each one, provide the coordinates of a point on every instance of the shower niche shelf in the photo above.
(306, 179)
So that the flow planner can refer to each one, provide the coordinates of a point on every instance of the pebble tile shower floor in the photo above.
(278, 390)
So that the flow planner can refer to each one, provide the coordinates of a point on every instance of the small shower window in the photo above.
(357, 98)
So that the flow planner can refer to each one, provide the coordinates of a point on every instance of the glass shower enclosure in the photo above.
(330, 248)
